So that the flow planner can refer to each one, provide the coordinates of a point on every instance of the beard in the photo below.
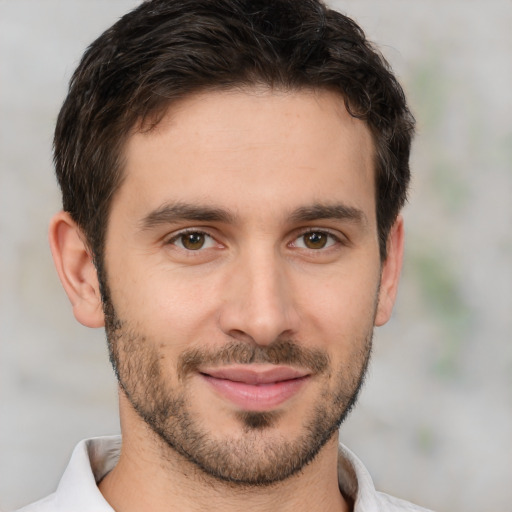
(259, 454)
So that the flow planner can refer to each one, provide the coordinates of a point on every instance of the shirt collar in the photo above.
(91, 460)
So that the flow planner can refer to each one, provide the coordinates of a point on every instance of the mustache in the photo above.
(285, 352)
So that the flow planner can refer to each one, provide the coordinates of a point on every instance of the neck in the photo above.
(152, 476)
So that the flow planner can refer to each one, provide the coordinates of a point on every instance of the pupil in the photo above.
(193, 241)
(316, 240)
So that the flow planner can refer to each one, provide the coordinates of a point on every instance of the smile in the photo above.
(256, 387)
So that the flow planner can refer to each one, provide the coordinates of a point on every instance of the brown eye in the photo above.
(193, 241)
(315, 240)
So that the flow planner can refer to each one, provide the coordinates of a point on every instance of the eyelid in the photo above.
(178, 234)
(338, 237)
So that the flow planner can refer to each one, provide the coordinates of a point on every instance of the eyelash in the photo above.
(310, 231)
(181, 234)
(336, 239)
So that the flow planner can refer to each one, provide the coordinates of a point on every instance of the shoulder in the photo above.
(356, 483)
(389, 503)
(77, 491)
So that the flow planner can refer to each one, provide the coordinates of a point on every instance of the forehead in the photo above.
(238, 149)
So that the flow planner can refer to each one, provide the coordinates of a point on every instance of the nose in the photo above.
(258, 300)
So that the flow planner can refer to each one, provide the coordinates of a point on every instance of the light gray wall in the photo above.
(435, 420)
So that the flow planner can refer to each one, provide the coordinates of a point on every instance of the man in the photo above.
(232, 175)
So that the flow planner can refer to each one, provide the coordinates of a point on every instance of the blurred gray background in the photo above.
(434, 423)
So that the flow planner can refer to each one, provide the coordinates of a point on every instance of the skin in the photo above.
(262, 158)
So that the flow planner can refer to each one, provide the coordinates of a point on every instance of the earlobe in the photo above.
(76, 269)
(390, 274)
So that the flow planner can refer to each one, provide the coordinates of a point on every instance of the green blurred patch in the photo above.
(503, 153)
(425, 439)
(442, 297)
(428, 83)
(448, 187)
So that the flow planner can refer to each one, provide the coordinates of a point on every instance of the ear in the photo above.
(76, 269)
(390, 274)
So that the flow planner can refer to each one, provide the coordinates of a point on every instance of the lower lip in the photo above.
(257, 398)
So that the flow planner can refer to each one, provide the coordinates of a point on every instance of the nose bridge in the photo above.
(259, 302)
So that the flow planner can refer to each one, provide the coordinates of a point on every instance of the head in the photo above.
(234, 171)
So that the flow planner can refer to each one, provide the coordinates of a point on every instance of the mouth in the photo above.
(255, 387)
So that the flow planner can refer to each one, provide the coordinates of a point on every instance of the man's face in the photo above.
(243, 271)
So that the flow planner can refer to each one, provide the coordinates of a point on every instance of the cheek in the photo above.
(339, 314)
(344, 298)
(164, 305)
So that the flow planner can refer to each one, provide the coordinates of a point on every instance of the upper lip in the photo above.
(255, 373)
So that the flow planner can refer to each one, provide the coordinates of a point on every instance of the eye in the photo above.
(315, 240)
(193, 240)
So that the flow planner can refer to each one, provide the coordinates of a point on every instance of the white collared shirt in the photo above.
(93, 458)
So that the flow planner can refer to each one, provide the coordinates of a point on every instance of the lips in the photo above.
(256, 387)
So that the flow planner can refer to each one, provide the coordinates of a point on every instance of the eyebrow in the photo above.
(171, 213)
(329, 211)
